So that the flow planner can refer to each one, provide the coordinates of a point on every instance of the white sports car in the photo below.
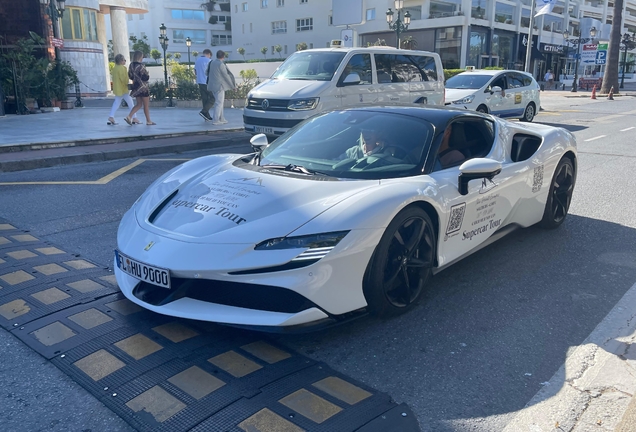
(350, 211)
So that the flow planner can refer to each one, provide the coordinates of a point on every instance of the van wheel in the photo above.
(482, 109)
(529, 113)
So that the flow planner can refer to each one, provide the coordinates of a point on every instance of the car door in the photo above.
(516, 96)
(392, 74)
(496, 101)
(362, 93)
(425, 88)
(469, 220)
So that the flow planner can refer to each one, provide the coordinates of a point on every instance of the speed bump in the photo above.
(162, 373)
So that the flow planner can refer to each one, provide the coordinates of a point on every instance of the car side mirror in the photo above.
(478, 168)
(351, 79)
(495, 89)
(259, 142)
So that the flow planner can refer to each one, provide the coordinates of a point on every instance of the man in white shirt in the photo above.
(549, 79)
(220, 79)
(201, 73)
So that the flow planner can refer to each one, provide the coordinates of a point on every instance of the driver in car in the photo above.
(369, 143)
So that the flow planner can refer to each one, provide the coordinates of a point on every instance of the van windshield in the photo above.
(467, 81)
(314, 66)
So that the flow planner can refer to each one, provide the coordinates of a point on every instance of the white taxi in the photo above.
(504, 93)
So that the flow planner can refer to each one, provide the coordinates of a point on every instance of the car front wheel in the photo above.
(529, 113)
(560, 195)
(401, 264)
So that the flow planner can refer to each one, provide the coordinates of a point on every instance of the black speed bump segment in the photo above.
(165, 374)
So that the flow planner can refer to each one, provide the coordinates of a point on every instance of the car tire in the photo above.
(559, 195)
(482, 109)
(529, 113)
(401, 264)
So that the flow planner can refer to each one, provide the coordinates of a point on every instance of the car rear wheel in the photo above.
(482, 109)
(560, 195)
(529, 113)
(401, 264)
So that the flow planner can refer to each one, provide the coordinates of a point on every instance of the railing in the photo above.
(445, 14)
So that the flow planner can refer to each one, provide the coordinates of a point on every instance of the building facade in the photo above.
(207, 24)
(478, 33)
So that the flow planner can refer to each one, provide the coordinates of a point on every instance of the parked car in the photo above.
(317, 80)
(351, 211)
(504, 93)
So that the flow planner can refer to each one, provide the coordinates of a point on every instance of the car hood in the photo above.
(457, 94)
(230, 204)
(289, 89)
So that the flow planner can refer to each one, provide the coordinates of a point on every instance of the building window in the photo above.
(186, 14)
(478, 9)
(243, 28)
(304, 24)
(142, 17)
(304, 1)
(311, 46)
(279, 27)
(129, 16)
(330, 20)
(504, 13)
(440, 9)
(235, 8)
(250, 27)
(370, 14)
(263, 4)
(448, 43)
(525, 18)
(244, 7)
(280, 3)
(79, 24)
(197, 36)
(285, 49)
(221, 39)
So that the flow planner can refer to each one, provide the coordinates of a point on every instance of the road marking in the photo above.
(629, 128)
(102, 181)
(595, 138)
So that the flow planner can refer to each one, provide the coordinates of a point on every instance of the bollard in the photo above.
(563, 86)
(542, 87)
(593, 92)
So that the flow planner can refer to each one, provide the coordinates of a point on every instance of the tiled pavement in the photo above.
(164, 374)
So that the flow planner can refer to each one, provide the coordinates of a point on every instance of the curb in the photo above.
(76, 155)
(117, 140)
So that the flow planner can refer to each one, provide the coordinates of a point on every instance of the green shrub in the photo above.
(187, 90)
(158, 91)
(180, 72)
(250, 80)
(493, 68)
(448, 73)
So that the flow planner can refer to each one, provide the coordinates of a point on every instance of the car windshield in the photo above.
(315, 66)
(467, 81)
(355, 144)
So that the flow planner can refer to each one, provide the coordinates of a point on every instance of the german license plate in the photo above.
(265, 130)
(144, 272)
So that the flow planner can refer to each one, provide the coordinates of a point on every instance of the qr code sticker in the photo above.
(456, 218)
(537, 182)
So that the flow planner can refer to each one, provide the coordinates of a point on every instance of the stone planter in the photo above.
(67, 105)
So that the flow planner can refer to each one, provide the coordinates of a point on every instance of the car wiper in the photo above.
(294, 168)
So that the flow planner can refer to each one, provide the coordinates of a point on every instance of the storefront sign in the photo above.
(549, 48)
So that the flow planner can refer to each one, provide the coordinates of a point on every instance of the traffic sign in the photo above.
(601, 57)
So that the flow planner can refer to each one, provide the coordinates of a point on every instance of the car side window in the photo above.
(462, 140)
(500, 81)
(514, 80)
(527, 81)
(360, 64)
(426, 66)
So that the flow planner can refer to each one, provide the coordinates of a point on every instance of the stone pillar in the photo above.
(101, 37)
(120, 32)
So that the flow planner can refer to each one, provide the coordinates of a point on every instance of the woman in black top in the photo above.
(139, 75)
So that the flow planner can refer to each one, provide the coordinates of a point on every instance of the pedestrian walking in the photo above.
(220, 79)
(120, 89)
(549, 79)
(201, 74)
(140, 89)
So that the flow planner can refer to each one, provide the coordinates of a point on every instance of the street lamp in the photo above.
(399, 26)
(188, 44)
(626, 40)
(578, 42)
(163, 40)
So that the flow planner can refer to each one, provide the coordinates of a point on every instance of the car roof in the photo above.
(437, 116)
(491, 72)
(387, 49)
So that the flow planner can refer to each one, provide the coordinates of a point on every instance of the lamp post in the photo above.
(55, 10)
(163, 40)
(399, 26)
(626, 40)
(188, 44)
(578, 42)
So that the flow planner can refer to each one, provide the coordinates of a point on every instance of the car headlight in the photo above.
(466, 100)
(303, 104)
(317, 245)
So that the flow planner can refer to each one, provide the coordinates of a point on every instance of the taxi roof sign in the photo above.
(336, 43)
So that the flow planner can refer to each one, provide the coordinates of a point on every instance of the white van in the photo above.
(317, 80)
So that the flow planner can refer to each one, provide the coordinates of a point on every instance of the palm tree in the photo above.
(409, 43)
(610, 79)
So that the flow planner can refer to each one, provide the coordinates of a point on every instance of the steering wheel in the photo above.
(396, 152)
(376, 160)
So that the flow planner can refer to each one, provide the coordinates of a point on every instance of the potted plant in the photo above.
(60, 77)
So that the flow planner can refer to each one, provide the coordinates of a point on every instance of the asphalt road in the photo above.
(490, 330)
